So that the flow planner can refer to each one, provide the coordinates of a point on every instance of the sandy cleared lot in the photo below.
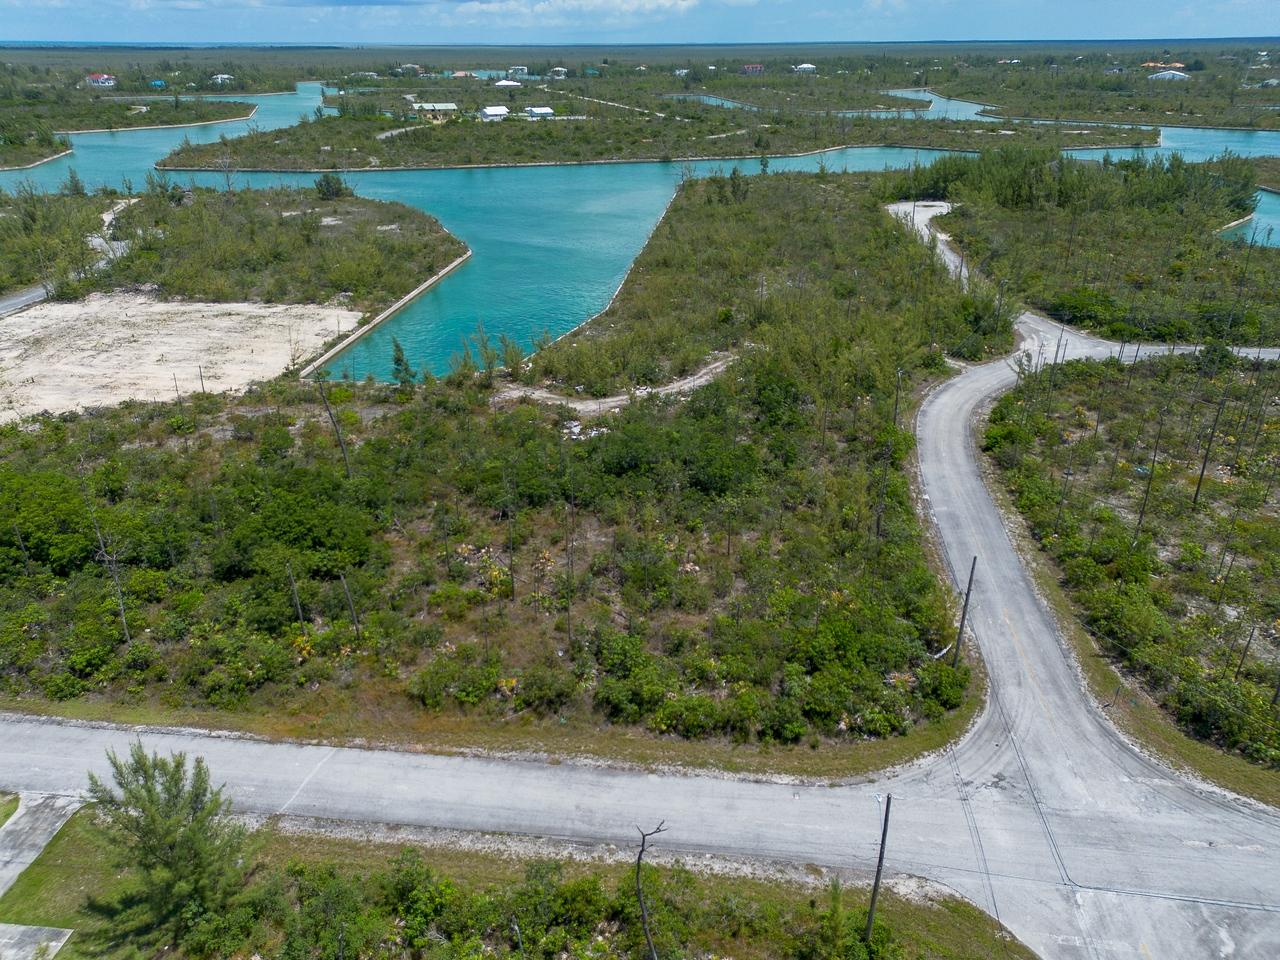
(109, 348)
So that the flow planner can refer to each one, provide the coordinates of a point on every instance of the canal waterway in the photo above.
(551, 244)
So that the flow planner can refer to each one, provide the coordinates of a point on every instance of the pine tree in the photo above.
(401, 371)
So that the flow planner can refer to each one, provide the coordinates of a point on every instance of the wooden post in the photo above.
(875, 887)
(964, 614)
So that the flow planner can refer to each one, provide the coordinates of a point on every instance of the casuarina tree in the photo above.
(174, 827)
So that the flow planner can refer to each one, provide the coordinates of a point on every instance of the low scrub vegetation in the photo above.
(40, 76)
(371, 141)
(279, 246)
(83, 112)
(23, 144)
(44, 238)
(1127, 248)
(1220, 89)
(1153, 488)
(719, 268)
(743, 564)
(1268, 172)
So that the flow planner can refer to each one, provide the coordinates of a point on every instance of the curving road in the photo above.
(1043, 815)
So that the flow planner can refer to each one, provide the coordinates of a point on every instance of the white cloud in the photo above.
(558, 12)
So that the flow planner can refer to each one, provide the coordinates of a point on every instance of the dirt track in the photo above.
(594, 406)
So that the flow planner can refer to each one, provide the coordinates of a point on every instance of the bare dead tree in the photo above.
(112, 561)
(1204, 464)
(1151, 475)
(22, 545)
(1247, 644)
(351, 606)
(297, 604)
(336, 430)
(644, 907)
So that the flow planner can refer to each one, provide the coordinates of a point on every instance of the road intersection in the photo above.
(1043, 814)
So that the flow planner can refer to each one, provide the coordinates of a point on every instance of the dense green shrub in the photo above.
(328, 911)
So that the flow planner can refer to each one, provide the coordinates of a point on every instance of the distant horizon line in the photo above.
(337, 45)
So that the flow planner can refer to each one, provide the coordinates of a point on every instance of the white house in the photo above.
(507, 83)
(805, 68)
(489, 114)
(517, 71)
(1170, 75)
(437, 110)
(221, 78)
(559, 73)
(539, 113)
(681, 72)
(100, 80)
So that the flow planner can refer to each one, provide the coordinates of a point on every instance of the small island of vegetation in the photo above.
(370, 140)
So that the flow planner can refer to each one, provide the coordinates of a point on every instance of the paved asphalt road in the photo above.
(107, 249)
(21, 299)
(1043, 815)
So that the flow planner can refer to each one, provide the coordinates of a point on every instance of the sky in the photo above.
(413, 22)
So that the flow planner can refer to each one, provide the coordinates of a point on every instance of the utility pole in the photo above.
(875, 887)
(964, 615)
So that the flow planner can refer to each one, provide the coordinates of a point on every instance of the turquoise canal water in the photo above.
(551, 244)
(940, 108)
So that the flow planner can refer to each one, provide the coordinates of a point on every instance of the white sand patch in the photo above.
(109, 348)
